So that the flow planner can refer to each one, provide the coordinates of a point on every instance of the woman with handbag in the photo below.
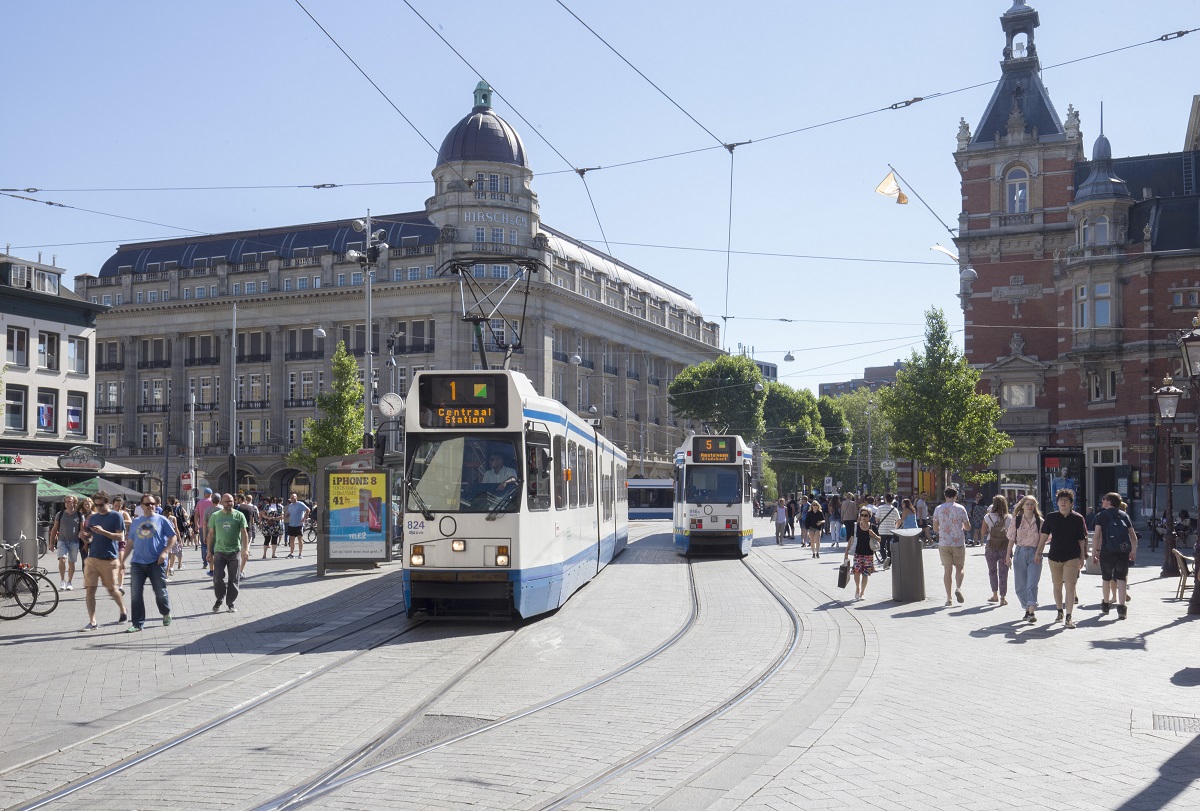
(995, 533)
(865, 543)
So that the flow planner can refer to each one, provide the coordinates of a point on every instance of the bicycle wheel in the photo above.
(43, 547)
(46, 596)
(310, 534)
(16, 594)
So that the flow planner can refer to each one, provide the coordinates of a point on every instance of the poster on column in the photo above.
(357, 514)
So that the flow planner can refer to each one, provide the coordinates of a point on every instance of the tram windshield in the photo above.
(466, 474)
(710, 484)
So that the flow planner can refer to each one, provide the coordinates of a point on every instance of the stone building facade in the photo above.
(597, 333)
(1077, 277)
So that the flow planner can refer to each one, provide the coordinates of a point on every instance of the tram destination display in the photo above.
(464, 401)
(714, 449)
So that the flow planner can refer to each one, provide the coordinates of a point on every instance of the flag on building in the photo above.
(890, 188)
(74, 418)
(45, 417)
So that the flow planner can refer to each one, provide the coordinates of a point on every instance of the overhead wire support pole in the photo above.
(949, 230)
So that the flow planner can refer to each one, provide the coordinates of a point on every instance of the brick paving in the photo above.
(883, 706)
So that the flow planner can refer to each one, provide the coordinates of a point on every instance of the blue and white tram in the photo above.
(512, 502)
(714, 509)
(651, 499)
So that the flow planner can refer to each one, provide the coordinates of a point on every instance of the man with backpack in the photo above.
(1114, 547)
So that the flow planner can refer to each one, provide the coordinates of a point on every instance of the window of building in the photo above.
(187, 294)
(120, 299)
(341, 280)
(498, 235)
(17, 346)
(14, 407)
(1185, 469)
(493, 182)
(76, 413)
(201, 292)
(45, 281)
(499, 271)
(1103, 305)
(1081, 307)
(480, 233)
(414, 274)
(48, 350)
(1017, 395)
(512, 236)
(1102, 386)
(139, 297)
(429, 271)
(316, 282)
(77, 355)
(106, 300)
(251, 288)
(1017, 191)
(212, 291)
(153, 297)
(301, 283)
(507, 184)
(47, 411)
(237, 288)
(397, 274)
(1094, 231)
(287, 284)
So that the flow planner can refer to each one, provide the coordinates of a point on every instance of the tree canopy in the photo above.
(794, 433)
(937, 417)
(721, 393)
(339, 429)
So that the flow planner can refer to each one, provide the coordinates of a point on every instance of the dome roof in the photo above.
(483, 136)
(1102, 149)
(1103, 183)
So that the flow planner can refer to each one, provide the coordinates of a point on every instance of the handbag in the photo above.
(874, 544)
(843, 575)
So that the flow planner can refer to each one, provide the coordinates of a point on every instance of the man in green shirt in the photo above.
(228, 541)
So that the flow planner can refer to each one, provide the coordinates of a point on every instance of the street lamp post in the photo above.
(375, 247)
(1168, 405)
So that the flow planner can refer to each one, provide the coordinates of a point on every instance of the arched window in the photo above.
(1017, 191)
(1085, 231)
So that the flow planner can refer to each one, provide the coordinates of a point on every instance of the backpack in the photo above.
(1116, 534)
(998, 534)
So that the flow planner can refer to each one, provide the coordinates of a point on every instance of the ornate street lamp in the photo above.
(1168, 405)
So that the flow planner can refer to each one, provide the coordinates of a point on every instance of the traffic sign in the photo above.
(185, 481)
(887, 465)
(1141, 448)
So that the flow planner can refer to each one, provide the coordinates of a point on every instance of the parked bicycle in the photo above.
(24, 590)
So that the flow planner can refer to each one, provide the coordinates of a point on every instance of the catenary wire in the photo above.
(102, 213)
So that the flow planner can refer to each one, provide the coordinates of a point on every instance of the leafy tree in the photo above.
(339, 429)
(838, 431)
(937, 416)
(722, 393)
(770, 485)
(794, 433)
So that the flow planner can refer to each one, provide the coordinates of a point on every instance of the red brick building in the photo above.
(1084, 273)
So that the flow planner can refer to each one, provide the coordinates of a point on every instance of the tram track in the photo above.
(312, 647)
(318, 789)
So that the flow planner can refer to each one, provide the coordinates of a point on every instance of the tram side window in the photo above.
(591, 479)
(573, 464)
(537, 472)
(560, 472)
(747, 487)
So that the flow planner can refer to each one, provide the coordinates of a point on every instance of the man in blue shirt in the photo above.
(105, 530)
(153, 537)
(296, 511)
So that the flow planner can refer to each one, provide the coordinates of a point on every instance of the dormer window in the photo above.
(1017, 191)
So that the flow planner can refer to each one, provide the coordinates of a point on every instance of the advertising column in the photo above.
(356, 507)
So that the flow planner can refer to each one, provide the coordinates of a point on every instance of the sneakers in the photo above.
(1104, 607)
(1121, 611)
(300, 555)
(166, 619)
(231, 609)
(1059, 617)
(216, 606)
(123, 617)
(132, 629)
(62, 585)
(958, 595)
(1031, 618)
(91, 626)
(69, 587)
(1070, 622)
(949, 603)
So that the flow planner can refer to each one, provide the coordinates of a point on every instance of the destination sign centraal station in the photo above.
(457, 401)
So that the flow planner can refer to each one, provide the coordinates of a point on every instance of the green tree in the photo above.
(794, 434)
(339, 429)
(722, 393)
(870, 440)
(938, 418)
(770, 486)
(839, 433)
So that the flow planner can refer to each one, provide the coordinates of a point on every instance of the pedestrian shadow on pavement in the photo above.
(1135, 642)
(1018, 632)
(1187, 677)
(1175, 776)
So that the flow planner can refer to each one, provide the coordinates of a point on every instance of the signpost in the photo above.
(185, 481)
(887, 465)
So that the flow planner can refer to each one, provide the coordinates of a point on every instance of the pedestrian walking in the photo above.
(151, 539)
(64, 539)
(1025, 555)
(908, 515)
(1066, 532)
(864, 553)
(781, 519)
(814, 520)
(296, 511)
(200, 515)
(117, 505)
(227, 541)
(995, 531)
(979, 511)
(887, 518)
(1114, 548)
(849, 515)
(105, 530)
(792, 508)
(833, 518)
(951, 523)
(922, 506)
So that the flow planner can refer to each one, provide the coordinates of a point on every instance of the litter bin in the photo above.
(908, 566)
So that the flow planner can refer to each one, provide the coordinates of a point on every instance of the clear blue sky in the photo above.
(129, 94)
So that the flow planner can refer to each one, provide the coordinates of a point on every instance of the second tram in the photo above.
(714, 509)
(651, 499)
(512, 502)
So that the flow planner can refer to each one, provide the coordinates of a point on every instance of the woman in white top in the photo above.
(1023, 539)
(995, 537)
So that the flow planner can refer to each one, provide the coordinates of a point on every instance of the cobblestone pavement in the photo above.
(883, 705)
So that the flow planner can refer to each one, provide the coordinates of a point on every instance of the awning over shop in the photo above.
(49, 491)
(93, 486)
(37, 464)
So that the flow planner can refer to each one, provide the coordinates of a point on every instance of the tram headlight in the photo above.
(417, 556)
(458, 546)
(502, 556)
